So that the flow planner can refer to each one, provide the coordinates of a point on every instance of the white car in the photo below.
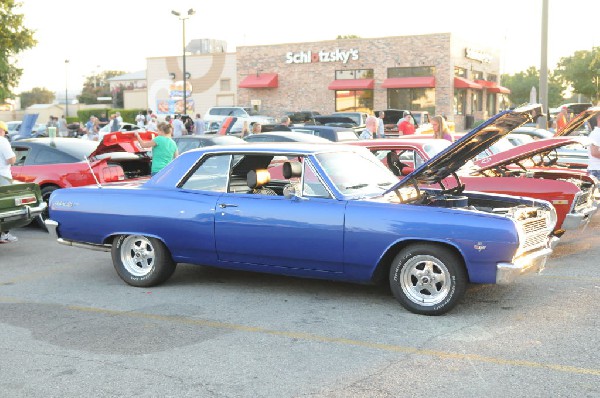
(220, 113)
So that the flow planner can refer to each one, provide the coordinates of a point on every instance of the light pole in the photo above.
(66, 90)
(190, 12)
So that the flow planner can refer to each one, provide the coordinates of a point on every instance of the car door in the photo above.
(302, 232)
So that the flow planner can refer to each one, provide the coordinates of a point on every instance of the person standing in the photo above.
(440, 128)
(151, 126)
(114, 123)
(199, 127)
(562, 118)
(63, 130)
(140, 120)
(380, 125)
(178, 127)
(370, 129)
(593, 168)
(164, 149)
(405, 127)
(7, 159)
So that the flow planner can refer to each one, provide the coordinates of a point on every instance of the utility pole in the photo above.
(544, 64)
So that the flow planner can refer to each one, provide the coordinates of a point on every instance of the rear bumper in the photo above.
(52, 227)
(23, 213)
(534, 262)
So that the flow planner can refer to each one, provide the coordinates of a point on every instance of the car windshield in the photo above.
(356, 174)
(435, 147)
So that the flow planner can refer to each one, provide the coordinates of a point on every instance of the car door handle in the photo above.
(224, 205)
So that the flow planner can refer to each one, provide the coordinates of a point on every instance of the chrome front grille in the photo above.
(536, 233)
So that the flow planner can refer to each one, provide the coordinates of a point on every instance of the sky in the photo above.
(121, 34)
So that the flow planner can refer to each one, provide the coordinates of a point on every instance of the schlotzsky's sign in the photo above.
(307, 57)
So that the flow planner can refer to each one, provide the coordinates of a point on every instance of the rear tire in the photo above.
(142, 261)
(428, 279)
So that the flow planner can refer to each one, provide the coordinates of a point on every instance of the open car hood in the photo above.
(524, 151)
(578, 121)
(121, 141)
(471, 144)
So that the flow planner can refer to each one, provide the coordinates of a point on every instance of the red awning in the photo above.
(461, 82)
(409, 82)
(262, 80)
(352, 84)
(493, 87)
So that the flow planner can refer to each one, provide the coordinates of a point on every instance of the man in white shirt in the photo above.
(593, 168)
(7, 159)
(178, 127)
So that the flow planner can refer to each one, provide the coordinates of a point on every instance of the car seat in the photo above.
(292, 170)
(257, 179)
(394, 163)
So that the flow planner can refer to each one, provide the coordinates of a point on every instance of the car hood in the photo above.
(471, 144)
(578, 121)
(524, 151)
(121, 141)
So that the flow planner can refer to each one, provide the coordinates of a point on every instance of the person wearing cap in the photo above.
(7, 159)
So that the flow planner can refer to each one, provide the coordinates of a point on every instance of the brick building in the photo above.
(439, 73)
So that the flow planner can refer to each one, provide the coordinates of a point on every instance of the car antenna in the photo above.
(92, 171)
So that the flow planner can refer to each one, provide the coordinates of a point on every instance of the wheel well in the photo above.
(383, 267)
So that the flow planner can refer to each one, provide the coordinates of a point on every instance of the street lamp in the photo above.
(190, 12)
(66, 90)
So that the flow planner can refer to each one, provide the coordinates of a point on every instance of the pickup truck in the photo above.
(20, 203)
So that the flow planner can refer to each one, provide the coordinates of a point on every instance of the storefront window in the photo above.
(476, 75)
(354, 101)
(477, 100)
(492, 78)
(354, 74)
(491, 104)
(460, 72)
(460, 101)
(415, 71)
(414, 99)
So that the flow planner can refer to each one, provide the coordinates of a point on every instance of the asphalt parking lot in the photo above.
(70, 327)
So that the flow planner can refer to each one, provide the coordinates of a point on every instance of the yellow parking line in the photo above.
(335, 340)
(349, 342)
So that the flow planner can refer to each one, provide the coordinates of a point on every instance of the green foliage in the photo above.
(582, 72)
(347, 37)
(14, 38)
(520, 86)
(96, 86)
(37, 95)
(128, 115)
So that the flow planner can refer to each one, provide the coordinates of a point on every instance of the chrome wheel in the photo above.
(425, 280)
(138, 255)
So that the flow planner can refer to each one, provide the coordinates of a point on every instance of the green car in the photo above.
(20, 203)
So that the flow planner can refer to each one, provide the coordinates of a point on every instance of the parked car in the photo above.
(188, 142)
(60, 162)
(335, 134)
(302, 117)
(331, 212)
(123, 127)
(533, 132)
(38, 130)
(248, 114)
(20, 203)
(359, 118)
(286, 136)
(572, 196)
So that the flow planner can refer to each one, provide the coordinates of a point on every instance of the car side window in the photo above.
(21, 155)
(211, 175)
(46, 156)
(312, 185)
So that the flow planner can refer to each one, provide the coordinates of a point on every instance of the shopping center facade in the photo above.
(440, 73)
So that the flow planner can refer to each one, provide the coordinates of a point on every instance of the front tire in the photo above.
(428, 279)
(142, 261)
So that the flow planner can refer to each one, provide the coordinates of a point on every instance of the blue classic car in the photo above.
(324, 211)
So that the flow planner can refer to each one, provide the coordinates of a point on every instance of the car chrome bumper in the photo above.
(24, 212)
(534, 262)
(577, 220)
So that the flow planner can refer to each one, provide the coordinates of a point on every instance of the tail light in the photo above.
(25, 200)
(112, 173)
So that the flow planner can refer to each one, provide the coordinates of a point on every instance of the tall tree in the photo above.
(520, 86)
(582, 72)
(14, 38)
(37, 95)
(97, 86)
